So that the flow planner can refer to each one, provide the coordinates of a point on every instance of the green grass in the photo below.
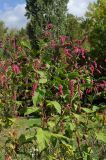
(20, 126)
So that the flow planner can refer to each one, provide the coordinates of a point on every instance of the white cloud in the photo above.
(78, 7)
(14, 17)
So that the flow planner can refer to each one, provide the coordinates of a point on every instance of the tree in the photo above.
(96, 19)
(96, 24)
(3, 30)
(42, 12)
(73, 26)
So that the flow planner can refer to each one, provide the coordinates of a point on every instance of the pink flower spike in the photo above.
(14, 96)
(78, 41)
(67, 52)
(72, 88)
(79, 90)
(3, 80)
(61, 90)
(76, 50)
(53, 44)
(34, 87)
(101, 67)
(47, 34)
(83, 53)
(95, 64)
(96, 89)
(62, 39)
(16, 68)
(50, 26)
(92, 69)
(98, 71)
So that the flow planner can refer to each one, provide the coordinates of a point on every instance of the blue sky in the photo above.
(12, 11)
(7, 3)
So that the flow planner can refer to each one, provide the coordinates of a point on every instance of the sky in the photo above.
(12, 11)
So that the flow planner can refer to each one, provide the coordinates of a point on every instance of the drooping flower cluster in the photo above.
(80, 50)
(62, 39)
(53, 44)
(92, 69)
(14, 96)
(76, 50)
(88, 91)
(3, 70)
(34, 87)
(79, 90)
(67, 52)
(15, 68)
(82, 53)
(1, 44)
(61, 90)
(72, 88)
(50, 26)
(95, 64)
(2, 80)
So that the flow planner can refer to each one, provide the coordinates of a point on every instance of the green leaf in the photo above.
(22, 139)
(25, 138)
(43, 138)
(42, 74)
(43, 80)
(26, 44)
(51, 124)
(73, 75)
(80, 118)
(1, 105)
(68, 147)
(101, 136)
(35, 98)
(95, 108)
(87, 110)
(56, 105)
(42, 43)
(31, 110)
(72, 126)
(59, 136)
(51, 158)
(88, 80)
(13, 120)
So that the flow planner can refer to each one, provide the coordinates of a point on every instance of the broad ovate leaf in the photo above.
(35, 98)
(43, 80)
(87, 110)
(56, 105)
(101, 136)
(43, 138)
(31, 110)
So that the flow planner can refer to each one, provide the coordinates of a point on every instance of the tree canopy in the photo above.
(42, 12)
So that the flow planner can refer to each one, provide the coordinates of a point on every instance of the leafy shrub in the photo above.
(59, 89)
